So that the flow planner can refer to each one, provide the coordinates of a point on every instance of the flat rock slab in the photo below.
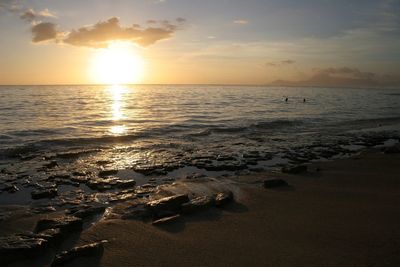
(16, 247)
(89, 250)
(198, 204)
(64, 223)
(274, 183)
(172, 203)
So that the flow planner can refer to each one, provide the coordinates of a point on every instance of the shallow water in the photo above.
(60, 118)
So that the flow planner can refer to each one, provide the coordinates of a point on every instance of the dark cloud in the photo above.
(44, 31)
(280, 63)
(99, 34)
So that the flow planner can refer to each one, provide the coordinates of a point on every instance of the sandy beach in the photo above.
(346, 214)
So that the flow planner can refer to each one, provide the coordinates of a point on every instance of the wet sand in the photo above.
(347, 214)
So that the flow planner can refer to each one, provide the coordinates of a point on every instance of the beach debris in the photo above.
(44, 193)
(223, 198)
(167, 204)
(198, 204)
(89, 250)
(166, 220)
(274, 183)
(64, 223)
(295, 170)
(18, 246)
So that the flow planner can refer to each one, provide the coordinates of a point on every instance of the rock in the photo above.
(126, 183)
(89, 250)
(273, 183)
(40, 210)
(166, 220)
(45, 193)
(223, 198)
(295, 170)
(64, 223)
(50, 165)
(10, 188)
(16, 247)
(105, 173)
(198, 204)
(138, 212)
(167, 204)
(88, 212)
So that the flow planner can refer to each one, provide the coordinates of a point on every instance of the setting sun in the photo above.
(117, 64)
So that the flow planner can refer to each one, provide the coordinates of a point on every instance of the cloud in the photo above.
(241, 21)
(280, 63)
(31, 15)
(101, 33)
(44, 31)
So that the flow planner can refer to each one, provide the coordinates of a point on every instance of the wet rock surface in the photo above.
(66, 224)
(223, 198)
(90, 250)
(198, 204)
(167, 204)
(19, 246)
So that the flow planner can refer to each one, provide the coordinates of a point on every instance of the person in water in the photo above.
(304, 100)
(286, 99)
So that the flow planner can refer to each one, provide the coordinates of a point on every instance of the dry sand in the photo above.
(348, 214)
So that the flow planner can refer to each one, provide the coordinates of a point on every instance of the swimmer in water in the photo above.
(304, 100)
(286, 99)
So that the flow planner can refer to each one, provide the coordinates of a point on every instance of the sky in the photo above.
(269, 42)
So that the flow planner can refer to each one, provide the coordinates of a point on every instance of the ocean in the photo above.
(177, 130)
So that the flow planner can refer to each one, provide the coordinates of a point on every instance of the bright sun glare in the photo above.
(117, 64)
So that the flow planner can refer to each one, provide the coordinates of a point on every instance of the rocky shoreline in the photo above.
(65, 201)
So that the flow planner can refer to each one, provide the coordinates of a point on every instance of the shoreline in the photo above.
(345, 214)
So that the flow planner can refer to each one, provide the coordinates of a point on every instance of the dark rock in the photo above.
(45, 193)
(273, 183)
(40, 210)
(126, 183)
(167, 204)
(198, 204)
(295, 170)
(223, 198)
(16, 247)
(89, 250)
(105, 173)
(64, 223)
(138, 212)
(89, 212)
(10, 188)
(50, 165)
(166, 220)
(79, 173)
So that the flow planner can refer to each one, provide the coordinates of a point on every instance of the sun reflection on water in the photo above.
(117, 96)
